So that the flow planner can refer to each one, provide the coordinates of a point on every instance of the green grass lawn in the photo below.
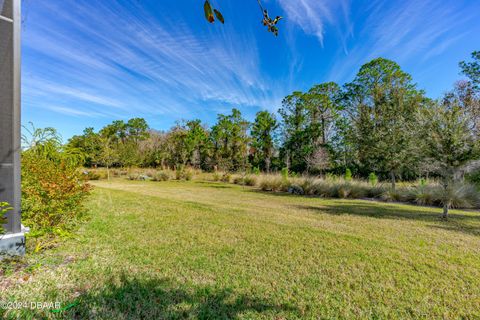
(176, 250)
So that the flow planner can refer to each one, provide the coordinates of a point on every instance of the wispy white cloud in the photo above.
(74, 112)
(408, 32)
(313, 16)
(127, 60)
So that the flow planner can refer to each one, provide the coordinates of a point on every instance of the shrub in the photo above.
(256, 171)
(52, 194)
(423, 182)
(373, 179)
(348, 175)
(296, 189)
(4, 208)
(284, 173)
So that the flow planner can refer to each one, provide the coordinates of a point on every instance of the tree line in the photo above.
(381, 122)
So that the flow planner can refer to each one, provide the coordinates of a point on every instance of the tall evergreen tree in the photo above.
(263, 130)
(296, 146)
(230, 139)
(383, 103)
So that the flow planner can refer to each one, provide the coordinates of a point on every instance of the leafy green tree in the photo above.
(448, 143)
(108, 155)
(125, 138)
(322, 102)
(153, 150)
(137, 129)
(178, 152)
(88, 143)
(46, 143)
(296, 142)
(117, 131)
(382, 103)
(263, 130)
(230, 141)
(323, 108)
(468, 99)
(472, 69)
(196, 143)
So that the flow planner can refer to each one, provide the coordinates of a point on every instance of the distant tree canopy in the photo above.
(377, 124)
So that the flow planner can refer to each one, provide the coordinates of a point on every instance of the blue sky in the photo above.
(89, 62)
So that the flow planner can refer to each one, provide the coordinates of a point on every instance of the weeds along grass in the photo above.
(210, 250)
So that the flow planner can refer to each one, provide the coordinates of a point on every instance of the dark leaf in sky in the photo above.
(208, 12)
(219, 16)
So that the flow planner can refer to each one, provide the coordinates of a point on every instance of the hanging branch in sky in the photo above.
(271, 24)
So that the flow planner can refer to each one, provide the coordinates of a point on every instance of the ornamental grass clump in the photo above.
(251, 180)
(458, 195)
(161, 176)
(308, 185)
(217, 176)
(273, 183)
(391, 195)
(226, 177)
(240, 180)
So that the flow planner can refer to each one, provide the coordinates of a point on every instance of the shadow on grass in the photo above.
(469, 224)
(214, 184)
(132, 298)
(219, 187)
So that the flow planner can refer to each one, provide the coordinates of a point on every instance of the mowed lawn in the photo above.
(188, 250)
